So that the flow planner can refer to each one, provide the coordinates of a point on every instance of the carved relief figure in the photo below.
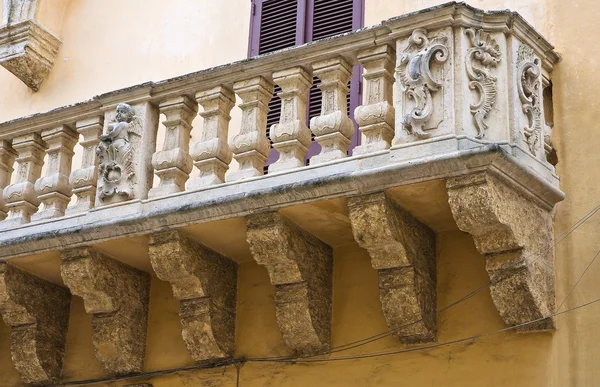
(115, 155)
(528, 86)
(416, 78)
(481, 57)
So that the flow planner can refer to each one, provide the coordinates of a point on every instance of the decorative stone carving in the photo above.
(300, 266)
(26, 48)
(116, 171)
(205, 282)
(38, 315)
(211, 154)
(173, 164)
(333, 129)
(251, 146)
(84, 180)
(481, 57)
(416, 79)
(21, 199)
(402, 250)
(375, 117)
(54, 190)
(514, 234)
(117, 296)
(528, 86)
(7, 159)
(290, 136)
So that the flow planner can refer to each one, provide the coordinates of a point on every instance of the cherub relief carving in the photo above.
(115, 156)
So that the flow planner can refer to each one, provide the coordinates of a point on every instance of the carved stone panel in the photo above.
(300, 266)
(514, 234)
(529, 89)
(402, 249)
(117, 296)
(38, 315)
(205, 282)
(124, 153)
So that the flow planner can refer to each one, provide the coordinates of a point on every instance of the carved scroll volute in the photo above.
(251, 146)
(482, 57)
(300, 266)
(291, 136)
(84, 180)
(21, 199)
(514, 235)
(117, 297)
(402, 250)
(38, 314)
(173, 163)
(54, 190)
(212, 154)
(529, 88)
(417, 82)
(205, 282)
(376, 116)
(333, 129)
(7, 159)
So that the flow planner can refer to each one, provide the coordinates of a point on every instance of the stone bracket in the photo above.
(117, 296)
(206, 284)
(514, 234)
(38, 315)
(402, 250)
(300, 266)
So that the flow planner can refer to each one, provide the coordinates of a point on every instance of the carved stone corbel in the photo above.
(514, 234)
(333, 129)
(375, 117)
(117, 296)
(300, 266)
(54, 190)
(402, 249)
(291, 136)
(38, 315)
(7, 159)
(205, 282)
(212, 154)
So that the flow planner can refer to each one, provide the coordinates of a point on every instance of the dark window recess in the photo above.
(278, 24)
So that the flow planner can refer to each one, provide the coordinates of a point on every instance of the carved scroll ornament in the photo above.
(116, 171)
(481, 57)
(416, 79)
(528, 86)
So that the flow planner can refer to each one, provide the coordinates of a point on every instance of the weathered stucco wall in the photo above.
(110, 44)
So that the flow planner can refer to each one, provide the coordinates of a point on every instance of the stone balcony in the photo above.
(455, 134)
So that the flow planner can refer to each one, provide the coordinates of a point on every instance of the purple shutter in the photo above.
(277, 24)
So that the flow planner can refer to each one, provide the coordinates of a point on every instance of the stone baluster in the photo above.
(333, 129)
(251, 146)
(290, 136)
(21, 198)
(376, 115)
(173, 164)
(7, 159)
(211, 154)
(54, 190)
(84, 180)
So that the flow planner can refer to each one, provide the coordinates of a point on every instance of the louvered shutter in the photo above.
(277, 24)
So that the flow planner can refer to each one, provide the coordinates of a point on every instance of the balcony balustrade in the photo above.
(452, 108)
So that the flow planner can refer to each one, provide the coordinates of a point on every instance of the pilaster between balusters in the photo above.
(376, 116)
(84, 180)
(291, 137)
(251, 146)
(21, 199)
(173, 163)
(7, 159)
(54, 190)
(211, 154)
(333, 129)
